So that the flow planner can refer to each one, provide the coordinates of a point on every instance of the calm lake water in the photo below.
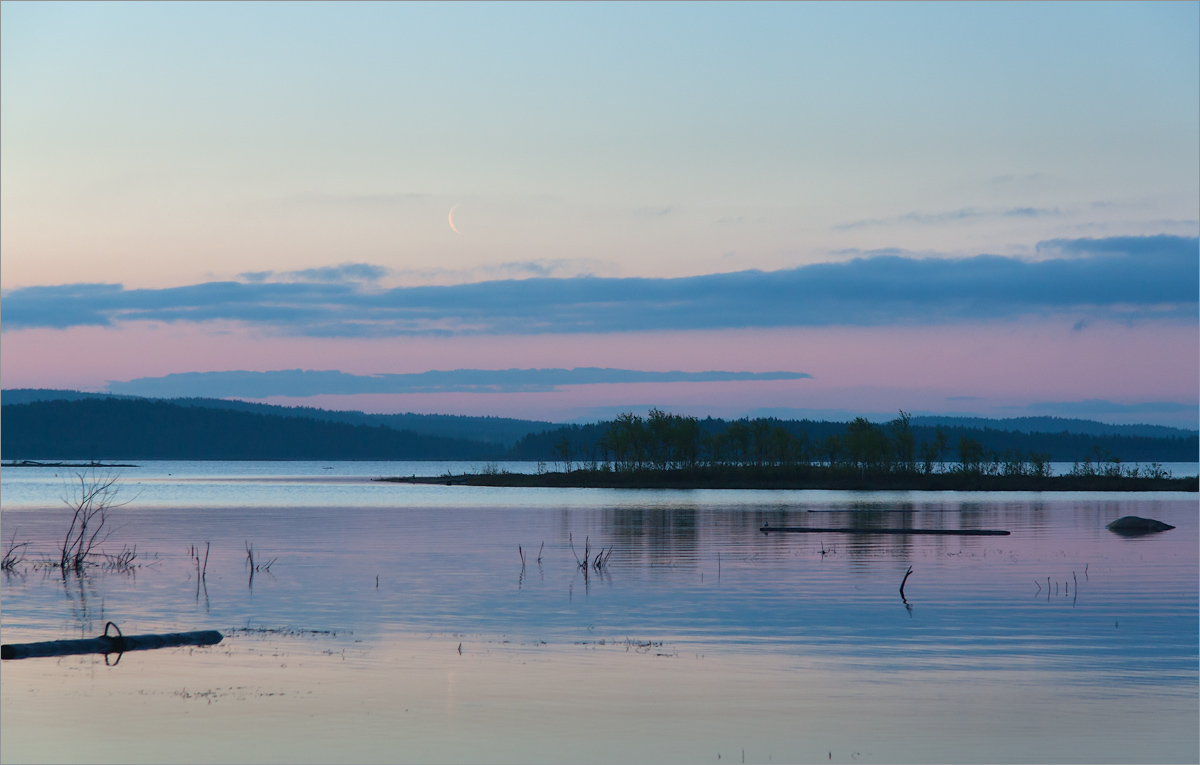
(398, 623)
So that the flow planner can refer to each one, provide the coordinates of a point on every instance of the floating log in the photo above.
(33, 463)
(107, 644)
(934, 532)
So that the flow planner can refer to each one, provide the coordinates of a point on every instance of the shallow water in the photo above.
(700, 638)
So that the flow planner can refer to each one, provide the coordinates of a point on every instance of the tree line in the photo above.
(111, 428)
(114, 428)
(665, 441)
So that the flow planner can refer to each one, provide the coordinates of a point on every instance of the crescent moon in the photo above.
(450, 218)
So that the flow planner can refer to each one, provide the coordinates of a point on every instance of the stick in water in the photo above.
(905, 581)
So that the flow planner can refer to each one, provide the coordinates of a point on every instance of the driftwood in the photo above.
(903, 582)
(107, 644)
(32, 463)
(936, 532)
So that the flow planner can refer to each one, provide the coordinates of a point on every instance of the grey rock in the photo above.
(1133, 525)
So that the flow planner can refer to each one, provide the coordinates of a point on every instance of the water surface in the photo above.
(398, 623)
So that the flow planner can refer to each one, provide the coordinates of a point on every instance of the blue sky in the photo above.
(301, 383)
(655, 139)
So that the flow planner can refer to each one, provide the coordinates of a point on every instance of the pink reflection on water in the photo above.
(774, 648)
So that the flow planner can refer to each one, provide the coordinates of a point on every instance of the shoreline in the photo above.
(823, 479)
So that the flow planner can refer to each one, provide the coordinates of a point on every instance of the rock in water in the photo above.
(1132, 524)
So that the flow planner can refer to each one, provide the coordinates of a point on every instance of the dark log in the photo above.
(938, 532)
(107, 644)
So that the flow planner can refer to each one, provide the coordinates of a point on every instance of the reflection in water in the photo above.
(656, 535)
(84, 590)
(201, 572)
(903, 582)
(434, 632)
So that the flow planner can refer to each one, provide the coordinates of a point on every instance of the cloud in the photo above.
(59, 307)
(345, 272)
(1031, 178)
(515, 269)
(356, 200)
(1127, 278)
(1138, 246)
(543, 268)
(655, 212)
(1029, 212)
(300, 383)
(950, 216)
(898, 251)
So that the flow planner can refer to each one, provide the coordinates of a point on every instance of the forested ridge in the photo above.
(502, 430)
(107, 428)
(131, 429)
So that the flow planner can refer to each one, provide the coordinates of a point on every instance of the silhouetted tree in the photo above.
(784, 447)
(970, 455)
(903, 442)
(658, 442)
(686, 440)
(760, 432)
(943, 443)
(831, 448)
(929, 455)
(738, 437)
(867, 445)
(563, 450)
(1039, 464)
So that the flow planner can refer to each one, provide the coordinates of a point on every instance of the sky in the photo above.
(973, 208)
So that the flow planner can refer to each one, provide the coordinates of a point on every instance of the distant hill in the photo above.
(507, 431)
(497, 430)
(26, 395)
(52, 424)
(1063, 446)
(1055, 425)
(132, 429)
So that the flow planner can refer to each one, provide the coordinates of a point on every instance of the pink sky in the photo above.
(858, 369)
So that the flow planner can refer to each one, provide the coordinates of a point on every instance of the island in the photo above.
(812, 477)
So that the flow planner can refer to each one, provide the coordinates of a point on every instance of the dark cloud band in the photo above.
(298, 382)
(1124, 278)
